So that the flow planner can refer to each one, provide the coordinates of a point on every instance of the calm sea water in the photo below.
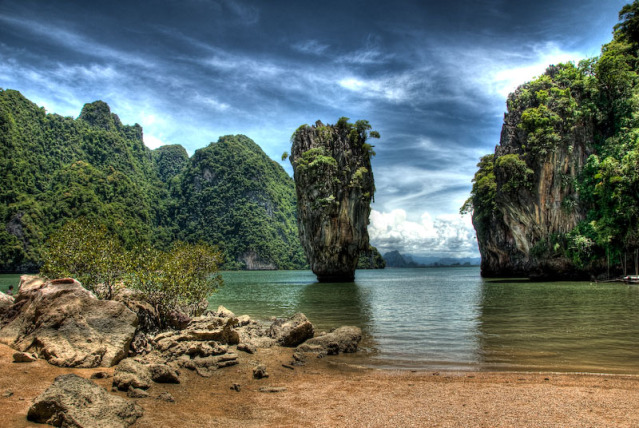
(451, 318)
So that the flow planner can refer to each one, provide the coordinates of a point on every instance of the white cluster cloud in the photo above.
(447, 235)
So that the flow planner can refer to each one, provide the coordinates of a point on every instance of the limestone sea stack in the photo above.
(335, 186)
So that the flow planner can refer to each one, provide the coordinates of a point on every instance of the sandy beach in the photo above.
(326, 393)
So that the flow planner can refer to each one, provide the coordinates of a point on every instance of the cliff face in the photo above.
(533, 197)
(335, 185)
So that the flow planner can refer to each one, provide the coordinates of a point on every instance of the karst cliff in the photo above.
(335, 186)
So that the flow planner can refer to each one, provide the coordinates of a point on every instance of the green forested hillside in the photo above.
(232, 194)
(560, 196)
(54, 169)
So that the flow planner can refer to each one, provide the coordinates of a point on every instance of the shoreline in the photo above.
(327, 392)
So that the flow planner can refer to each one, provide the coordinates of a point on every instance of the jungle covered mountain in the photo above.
(559, 198)
(54, 169)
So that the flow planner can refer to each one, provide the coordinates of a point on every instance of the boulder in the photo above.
(259, 372)
(291, 331)
(67, 325)
(131, 374)
(222, 312)
(161, 373)
(148, 317)
(72, 401)
(341, 340)
(137, 393)
(24, 357)
(6, 302)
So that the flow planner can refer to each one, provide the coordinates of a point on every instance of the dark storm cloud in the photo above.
(432, 77)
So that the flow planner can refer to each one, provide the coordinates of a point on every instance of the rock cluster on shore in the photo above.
(63, 323)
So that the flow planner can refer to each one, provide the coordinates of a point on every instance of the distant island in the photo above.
(394, 259)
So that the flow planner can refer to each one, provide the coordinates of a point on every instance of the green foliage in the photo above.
(284, 156)
(233, 195)
(482, 200)
(180, 278)
(89, 253)
(176, 279)
(513, 172)
(54, 169)
(592, 108)
(371, 259)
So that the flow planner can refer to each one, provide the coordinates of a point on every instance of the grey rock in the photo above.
(136, 393)
(222, 312)
(291, 331)
(259, 372)
(130, 373)
(249, 348)
(341, 340)
(166, 396)
(334, 184)
(72, 401)
(161, 373)
(100, 375)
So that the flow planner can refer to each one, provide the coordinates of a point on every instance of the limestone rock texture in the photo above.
(67, 325)
(335, 186)
(72, 401)
(535, 188)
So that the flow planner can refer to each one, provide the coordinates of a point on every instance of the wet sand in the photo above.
(325, 392)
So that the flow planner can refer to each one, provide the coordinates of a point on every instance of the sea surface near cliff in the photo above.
(452, 319)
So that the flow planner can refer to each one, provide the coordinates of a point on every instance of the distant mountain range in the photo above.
(394, 259)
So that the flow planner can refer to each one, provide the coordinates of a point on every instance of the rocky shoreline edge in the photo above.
(63, 323)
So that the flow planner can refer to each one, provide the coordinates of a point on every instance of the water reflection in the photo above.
(559, 326)
(330, 305)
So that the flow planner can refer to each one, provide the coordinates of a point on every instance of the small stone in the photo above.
(165, 396)
(259, 372)
(286, 366)
(273, 389)
(236, 387)
(100, 375)
(247, 347)
(8, 393)
(24, 357)
(136, 393)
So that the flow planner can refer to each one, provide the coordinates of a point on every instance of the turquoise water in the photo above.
(451, 318)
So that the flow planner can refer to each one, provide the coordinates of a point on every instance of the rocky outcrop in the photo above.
(525, 195)
(72, 401)
(131, 374)
(341, 340)
(291, 331)
(335, 186)
(67, 325)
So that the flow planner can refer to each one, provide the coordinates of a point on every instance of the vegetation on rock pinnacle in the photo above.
(335, 186)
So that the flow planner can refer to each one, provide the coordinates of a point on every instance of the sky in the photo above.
(432, 77)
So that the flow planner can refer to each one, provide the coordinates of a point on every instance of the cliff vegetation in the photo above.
(559, 198)
(56, 169)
